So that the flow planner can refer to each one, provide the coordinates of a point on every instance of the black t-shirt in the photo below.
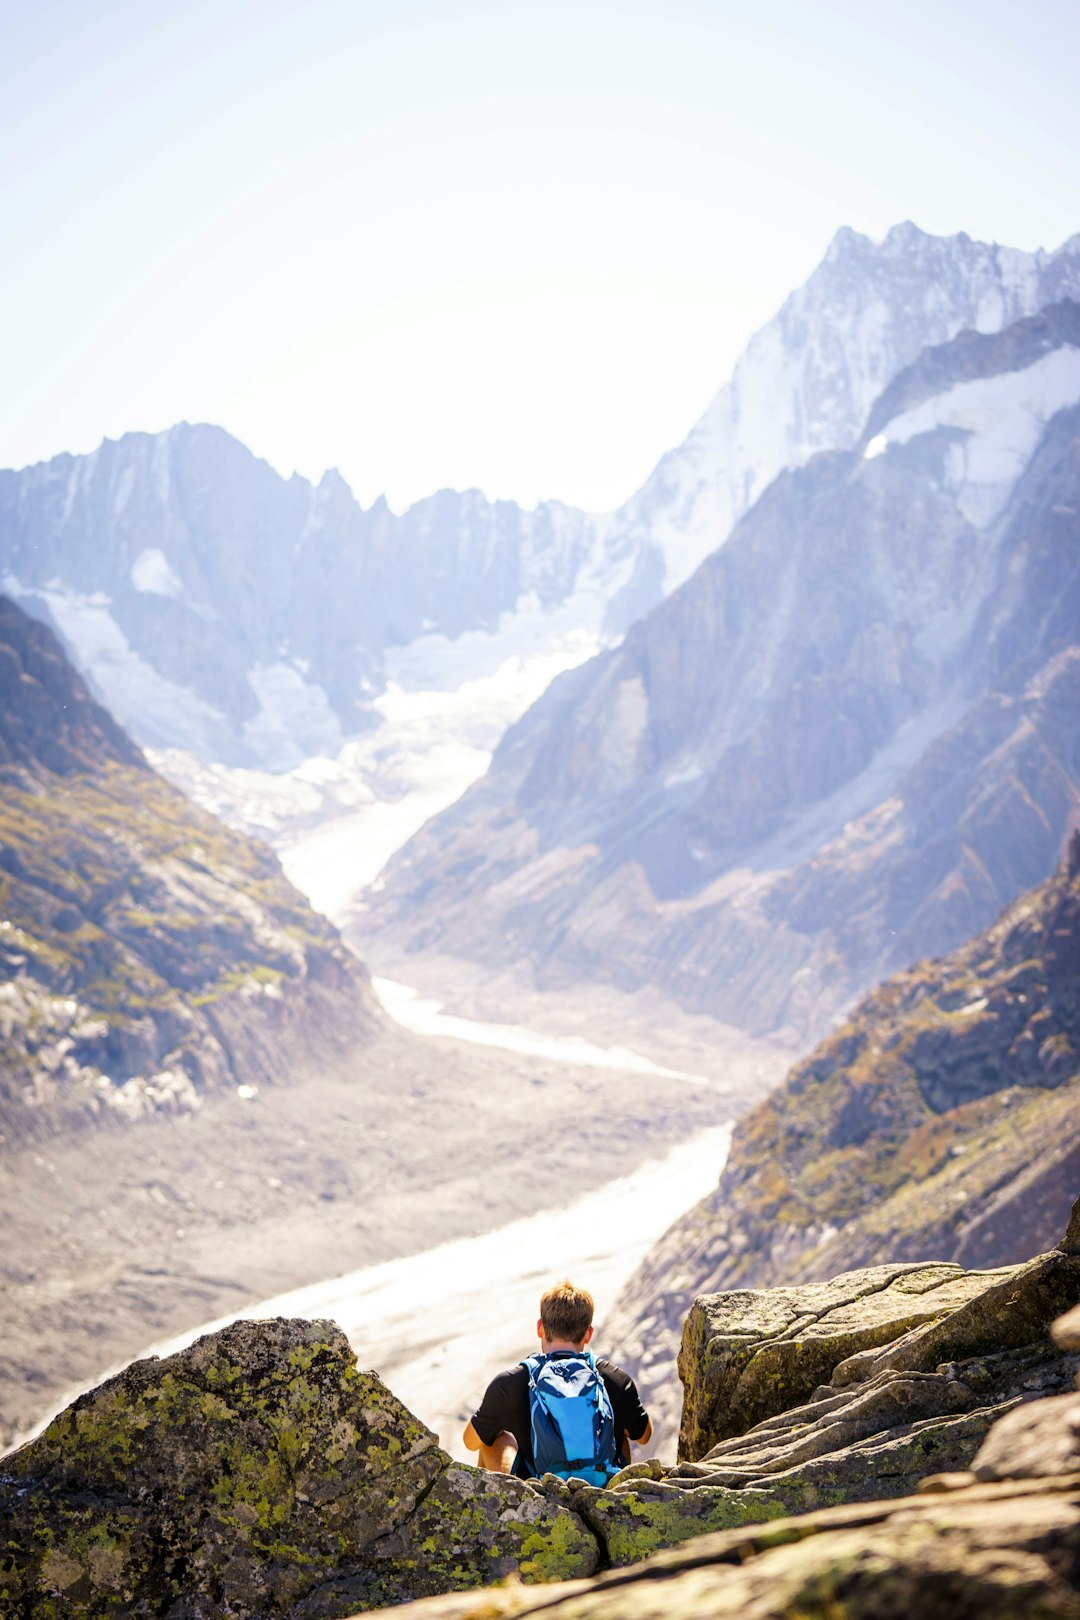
(506, 1406)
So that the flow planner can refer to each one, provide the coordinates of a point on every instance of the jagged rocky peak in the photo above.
(148, 954)
(844, 743)
(809, 377)
(219, 608)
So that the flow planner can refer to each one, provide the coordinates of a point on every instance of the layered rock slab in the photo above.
(799, 1399)
(259, 1472)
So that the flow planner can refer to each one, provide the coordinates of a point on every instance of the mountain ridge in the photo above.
(246, 618)
(846, 741)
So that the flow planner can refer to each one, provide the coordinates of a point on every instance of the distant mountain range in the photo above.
(846, 741)
(220, 609)
(148, 954)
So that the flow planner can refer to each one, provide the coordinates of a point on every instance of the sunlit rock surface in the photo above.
(1000, 1537)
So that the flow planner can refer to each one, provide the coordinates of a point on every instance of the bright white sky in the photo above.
(516, 246)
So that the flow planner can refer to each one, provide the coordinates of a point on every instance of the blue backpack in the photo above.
(573, 1426)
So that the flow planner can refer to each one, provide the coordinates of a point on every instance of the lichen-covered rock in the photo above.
(991, 1552)
(868, 1385)
(259, 1472)
(963, 1549)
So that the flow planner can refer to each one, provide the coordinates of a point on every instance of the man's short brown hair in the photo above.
(566, 1313)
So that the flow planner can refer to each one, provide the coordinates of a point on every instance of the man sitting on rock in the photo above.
(560, 1412)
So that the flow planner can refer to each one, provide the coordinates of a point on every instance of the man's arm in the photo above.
(498, 1452)
(632, 1422)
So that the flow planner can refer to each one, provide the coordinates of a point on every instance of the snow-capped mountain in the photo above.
(846, 741)
(331, 676)
(219, 608)
(808, 378)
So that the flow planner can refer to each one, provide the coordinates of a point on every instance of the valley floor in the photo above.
(127, 1236)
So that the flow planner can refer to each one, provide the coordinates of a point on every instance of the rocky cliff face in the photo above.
(147, 953)
(261, 1472)
(940, 1122)
(847, 741)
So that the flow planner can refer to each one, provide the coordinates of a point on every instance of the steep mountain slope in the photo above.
(148, 955)
(847, 741)
(940, 1122)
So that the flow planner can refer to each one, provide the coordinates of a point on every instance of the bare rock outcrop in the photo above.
(262, 1473)
(259, 1472)
(798, 1399)
(941, 1121)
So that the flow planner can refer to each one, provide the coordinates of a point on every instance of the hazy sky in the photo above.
(511, 246)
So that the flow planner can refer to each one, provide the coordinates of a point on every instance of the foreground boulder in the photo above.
(259, 1472)
(749, 1356)
(1000, 1540)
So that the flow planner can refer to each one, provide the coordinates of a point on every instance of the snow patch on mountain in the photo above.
(1002, 419)
(289, 707)
(808, 378)
(151, 571)
(156, 709)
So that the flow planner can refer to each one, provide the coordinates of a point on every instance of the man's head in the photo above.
(566, 1315)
